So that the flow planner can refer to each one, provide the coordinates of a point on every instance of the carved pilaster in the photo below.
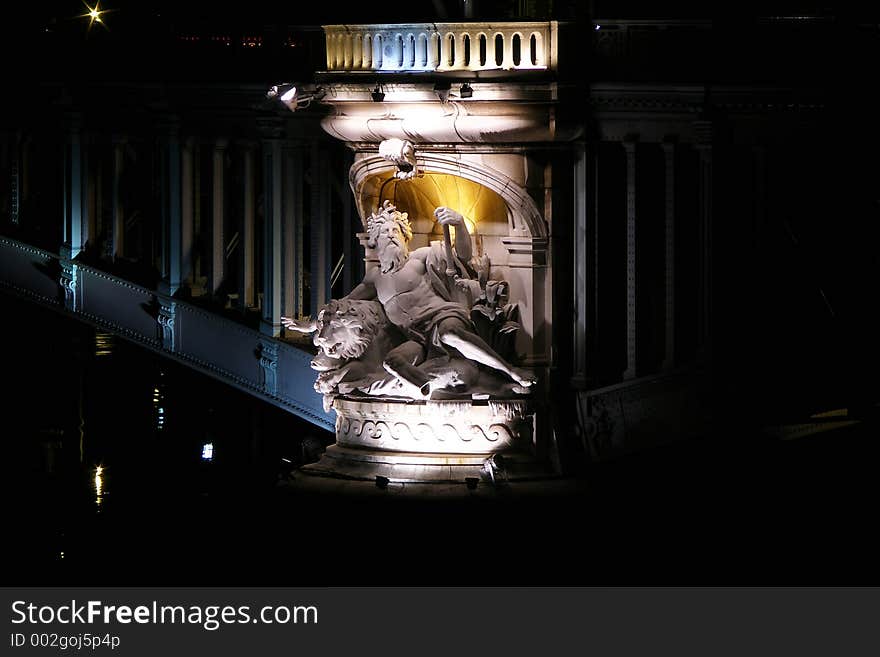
(268, 353)
(166, 321)
(68, 282)
(528, 277)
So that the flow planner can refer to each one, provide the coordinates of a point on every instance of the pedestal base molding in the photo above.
(429, 442)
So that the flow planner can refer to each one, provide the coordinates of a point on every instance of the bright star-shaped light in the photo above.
(94, 14)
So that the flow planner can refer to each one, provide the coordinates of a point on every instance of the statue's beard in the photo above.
(393, 257)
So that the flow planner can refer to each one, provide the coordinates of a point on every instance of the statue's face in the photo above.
(391, 246)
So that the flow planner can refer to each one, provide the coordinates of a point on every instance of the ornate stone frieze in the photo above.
(434, 426)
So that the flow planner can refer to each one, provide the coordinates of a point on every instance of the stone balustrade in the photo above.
(429, 47)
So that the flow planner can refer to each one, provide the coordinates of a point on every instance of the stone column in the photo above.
(272, 232)
(116, 234)
(704, 313)
(292, 230)
(75, 232)
(630, 372)
(247, 291)
(187, 202)
(95, 191)
(171, 209)
(433, 39)
(581, 266)
(218, 215)
(507, 61)
(197, 277)
(320, 262)
(398, 51)
(669, 258)
(409, 51)
(458, 61)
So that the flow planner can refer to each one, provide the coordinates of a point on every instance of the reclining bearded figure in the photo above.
(417, 307)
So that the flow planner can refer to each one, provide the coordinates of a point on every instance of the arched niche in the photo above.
(484, 210)
(522, 217)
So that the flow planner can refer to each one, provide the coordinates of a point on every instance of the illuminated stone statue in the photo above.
(429, 299)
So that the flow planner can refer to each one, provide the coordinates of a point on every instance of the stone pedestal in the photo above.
(429, 442)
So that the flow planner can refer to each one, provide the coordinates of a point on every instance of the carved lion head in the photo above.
(347, 327)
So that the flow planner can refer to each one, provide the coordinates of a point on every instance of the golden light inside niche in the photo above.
(481, 206)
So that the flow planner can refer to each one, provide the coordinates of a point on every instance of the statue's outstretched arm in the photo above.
(309, 325)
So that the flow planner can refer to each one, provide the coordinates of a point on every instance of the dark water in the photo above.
(103, 451)
(729, 509)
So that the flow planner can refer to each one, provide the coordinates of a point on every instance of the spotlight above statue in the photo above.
(294, 96)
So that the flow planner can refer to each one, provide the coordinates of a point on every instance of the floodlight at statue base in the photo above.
(429, 442)
(367, 465)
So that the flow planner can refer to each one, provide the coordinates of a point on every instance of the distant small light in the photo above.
(208, 451)
(597, 27)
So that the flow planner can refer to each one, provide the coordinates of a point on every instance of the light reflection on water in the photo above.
(99, 486)
(159, 402)
(104, 343)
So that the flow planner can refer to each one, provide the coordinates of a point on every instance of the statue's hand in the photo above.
(468, 285)
(300, 325)
(448, 217)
